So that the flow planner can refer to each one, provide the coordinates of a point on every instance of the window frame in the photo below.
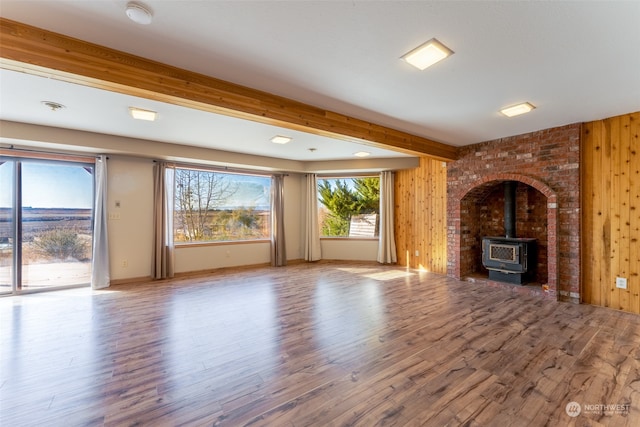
(178, 244)
(344, 177)
(20, 157)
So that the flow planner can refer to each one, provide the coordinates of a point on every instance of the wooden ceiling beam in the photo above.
(37, 51)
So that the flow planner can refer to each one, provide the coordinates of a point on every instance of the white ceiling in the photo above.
(106, 112)
(576, 61)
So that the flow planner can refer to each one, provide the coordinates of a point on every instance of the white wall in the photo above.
(198, 258)
(293, 215)
(131, 236)
(207, 257)
(349, 250)
(130, 175)
(130, 182)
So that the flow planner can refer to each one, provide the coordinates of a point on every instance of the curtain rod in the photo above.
(222, 169)
(49, 153)
(348, 175)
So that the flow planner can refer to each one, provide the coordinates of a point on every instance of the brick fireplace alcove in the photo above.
(482, 214)
(546, 166)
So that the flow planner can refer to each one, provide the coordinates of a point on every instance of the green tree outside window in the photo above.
(343, 199)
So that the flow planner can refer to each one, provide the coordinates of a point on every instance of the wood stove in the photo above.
(509, 259)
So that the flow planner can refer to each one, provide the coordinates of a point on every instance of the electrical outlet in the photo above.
(621, 282)
(417, 253)
(125, 263)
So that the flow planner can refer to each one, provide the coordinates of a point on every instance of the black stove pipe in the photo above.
(510, 209)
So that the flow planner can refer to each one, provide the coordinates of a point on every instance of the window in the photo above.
(349, 206)
(213, 206)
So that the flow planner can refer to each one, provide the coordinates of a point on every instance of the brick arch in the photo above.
(501, 177)
(479, 189)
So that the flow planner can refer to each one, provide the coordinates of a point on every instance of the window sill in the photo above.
(351, 238)
(183, 245)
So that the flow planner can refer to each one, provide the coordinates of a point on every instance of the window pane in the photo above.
(214, 206)
(349, 207)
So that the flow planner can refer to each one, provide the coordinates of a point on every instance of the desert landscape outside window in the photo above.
(46, 215)
(212, 206)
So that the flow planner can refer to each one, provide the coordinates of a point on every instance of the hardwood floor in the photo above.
(325, 344)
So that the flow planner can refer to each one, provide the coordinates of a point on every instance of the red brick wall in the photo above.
(546, 164)
(531, 221)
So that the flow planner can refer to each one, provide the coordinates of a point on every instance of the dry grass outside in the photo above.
(41, 269)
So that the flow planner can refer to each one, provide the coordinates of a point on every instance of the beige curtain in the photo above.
(312, 250)
(163, 247)
(100, 276)
(386, 242)
(278, 248)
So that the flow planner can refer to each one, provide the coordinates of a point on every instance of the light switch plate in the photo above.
(621, 282)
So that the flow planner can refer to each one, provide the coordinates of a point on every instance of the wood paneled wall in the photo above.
(421, 216)
(611, 212)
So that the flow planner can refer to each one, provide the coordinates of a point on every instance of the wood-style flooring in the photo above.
(326, 344)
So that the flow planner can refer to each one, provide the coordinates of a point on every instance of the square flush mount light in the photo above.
(427, 54)
(140, 114)
(516, 110)
(279, 139)
(362, 154)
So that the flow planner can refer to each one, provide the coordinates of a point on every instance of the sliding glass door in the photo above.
(7, 227)
(46, 224)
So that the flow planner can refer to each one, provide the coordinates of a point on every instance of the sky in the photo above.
(247, 190)
(46, 185)
(252, 191)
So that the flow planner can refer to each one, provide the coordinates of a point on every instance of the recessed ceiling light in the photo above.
(427, 54)
(362, 154)
(279, 139)
(53, 106)
(516, 110)
(140, 114)
(138, 13)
